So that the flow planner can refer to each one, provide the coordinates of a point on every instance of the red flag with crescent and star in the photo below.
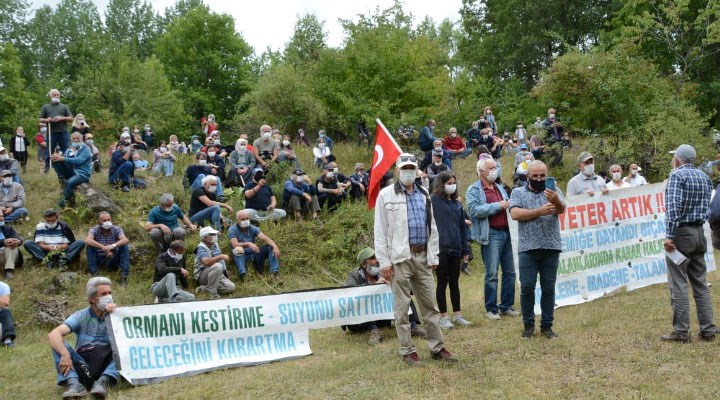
(386, 153)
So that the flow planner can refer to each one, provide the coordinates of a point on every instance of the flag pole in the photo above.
(49, 141)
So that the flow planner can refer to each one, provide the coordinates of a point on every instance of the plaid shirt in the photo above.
(417, 217)
(687, 198)
(106, 237)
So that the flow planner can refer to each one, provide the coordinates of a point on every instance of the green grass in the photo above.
(608, 348)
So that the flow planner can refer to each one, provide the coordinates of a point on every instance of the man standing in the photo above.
(57, 115)
(586, 181)
(616, 178)
(536, 209)
(426, 138)
(90, 363)
(687, 199)
(487, 204)
(162, 223)
(634, 178)
(407, 248)
(107, 246)
(73, 167)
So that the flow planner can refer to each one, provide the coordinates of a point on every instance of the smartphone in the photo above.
(550, 183)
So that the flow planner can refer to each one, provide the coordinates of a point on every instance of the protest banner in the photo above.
(155, 342)
(610, 242)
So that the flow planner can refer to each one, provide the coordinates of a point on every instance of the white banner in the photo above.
(610, 242)
(154, 342)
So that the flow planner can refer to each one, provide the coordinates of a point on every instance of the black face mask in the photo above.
(536, 186)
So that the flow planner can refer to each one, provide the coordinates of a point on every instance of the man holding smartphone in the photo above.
(536, 208)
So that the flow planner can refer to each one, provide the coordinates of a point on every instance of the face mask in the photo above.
(244, 224)
(81, 122)
(286, 143)
(321, 145)
(43, 130)
(107, 224)
(168, 209)
(453, 135)
(7, 181)
(322, 135)
(302, 134)
(177, 257)
(616, 176)
(89, 142)
(482, 120)
(51, 226)
(266, 135)
(212, 188)
(196, 142)
(437, 163)
(373, 269)
(438, 148)
(450, 189)
(211, 154)
(484, 137)
(202, 163)
(4, 157)
(214, 239)
(55, 100)
(330, 175)
(76, 144)
(492, 175)
(104, 301)
(536, 186)
(634, 172)
(163, 149)
(299, 179)
(216, 142)
(407, 176)
(588, 170)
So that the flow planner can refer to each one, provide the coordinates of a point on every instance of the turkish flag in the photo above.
(386, 153)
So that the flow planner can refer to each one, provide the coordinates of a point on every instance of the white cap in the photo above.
(208, 230)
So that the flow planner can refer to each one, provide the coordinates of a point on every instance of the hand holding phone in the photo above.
(550, 183)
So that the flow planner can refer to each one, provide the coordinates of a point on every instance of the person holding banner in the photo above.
(687, 199)
(539, 245)
(407, 247)
(90, 364)
(586, 181)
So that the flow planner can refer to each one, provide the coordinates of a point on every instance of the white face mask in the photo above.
(437, 163)
(407, 176)
(453, 135)
(492, 175)
(616, 176)
(7, 181)
(176, 256)
(43, 130)
(214, 239)
(438, 148)
(202, 162)
(321, 145)
(104, 301)
(634, 172)
(107, 224)
(163, 149)
(484, 137)
(211, 154)
(589, 170)
(51, 226)
(4, 157)
(330, 175)
(245, 223)
(286, 143)
(373, 269)
(450, 189)
(266, 135)
(299, 179)
(55, 100)
(168, 209)
(89, 142)
(212, 188)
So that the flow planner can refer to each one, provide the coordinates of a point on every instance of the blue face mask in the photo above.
(76, 144)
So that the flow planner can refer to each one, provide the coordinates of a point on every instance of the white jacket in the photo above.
(392, 243)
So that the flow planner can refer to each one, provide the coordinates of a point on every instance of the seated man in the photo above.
(360, 181)
(162, 223)
(266, 149)
(331, 188)
(171, 276)
(90, 364)
(10, 164)
(210, 269)
(260, 199)
(139, 163)
(455, 145)
(90, 143)
(194, 174)
(54, 242)
(299, 195)
(437, 166)
(242, 163)
(10, 255)
(437, 147)
(7, 323)
(242, 241)
(107, 246)
(368, 273)
(74, 167)
(12, 198)
(121, 170)
(204, 205)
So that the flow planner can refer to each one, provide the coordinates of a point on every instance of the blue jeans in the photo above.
(166, 165)
(120, 257)
(71, 252)
(16, 214)
(124, 174)
(544, 263)
(211, 213)
(498, 252)
(258, 260)
(66, 173)
(198, 184)
(110, 370)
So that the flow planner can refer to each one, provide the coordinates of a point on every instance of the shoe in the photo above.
(214, 296)
(61, 203)
(375, 337)
(412, 359)
(62, 264)
(707, 336)
(9, 344)
(276, 279)
(676, 336)
(8, 274)
(465, 269)
(125, 188)
(511, 312)
(548, 333)
(242, 277)
(528, 333)
(99, 389)
(200, 289)
(459, 320)
(50, 264)
(493, 316)
(445, 323)
(418, 331)
(76, 391)
(444, 355)
(123, 280)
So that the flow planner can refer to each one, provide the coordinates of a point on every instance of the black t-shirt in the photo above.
(195, 204)
(261, 199)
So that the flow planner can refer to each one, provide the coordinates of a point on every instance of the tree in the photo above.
(307, 42)
(132, 24)
(14, 102)
(206, 61)
(12, 16)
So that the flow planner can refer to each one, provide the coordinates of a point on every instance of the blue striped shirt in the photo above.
(687, 198)
(417, 217)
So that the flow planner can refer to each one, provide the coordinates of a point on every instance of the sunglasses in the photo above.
(408, 158)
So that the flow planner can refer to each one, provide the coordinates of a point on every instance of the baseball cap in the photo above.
(406, 159)
(298, 172)
(364, 254)
(684, 153)
(523, 146)
(256, 170)
(2, 149)
(88, 136)
(208, 230)
(5, 173)
(583, 157)
(437, 152)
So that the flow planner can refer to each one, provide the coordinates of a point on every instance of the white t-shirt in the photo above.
(612, 186)
(4, 289)
(637, 180)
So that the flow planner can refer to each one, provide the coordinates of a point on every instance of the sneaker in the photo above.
(445, 323)
(8, 274)
(676, 336)
(459, 320)
(50, 264)
(528, 333)
(375, 337)
(412, 359)
(418, 331)
(214, 296)
(465, 269)
(99, 389)
(125, 188)
(548, 333)
(76, 391)
(493, 316)
(123, 280)
(200, 289)
(444, 355)
(242, 277)
(9, 344)
(707, 336)
(511, 312)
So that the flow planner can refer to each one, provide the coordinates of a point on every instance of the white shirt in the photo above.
(637, 180)
(19, 143)
(613, 186)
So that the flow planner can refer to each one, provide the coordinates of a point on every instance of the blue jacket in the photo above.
(479, 210)
(81, 162)
(452, 231)
(426, 139)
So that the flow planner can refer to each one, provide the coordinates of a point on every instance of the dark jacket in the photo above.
(164, 264)
(453, 231)
(9, 232)
(12, 143)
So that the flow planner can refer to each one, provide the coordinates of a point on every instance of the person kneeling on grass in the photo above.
(171, 276)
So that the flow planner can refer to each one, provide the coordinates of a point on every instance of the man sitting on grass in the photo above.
(54, 242)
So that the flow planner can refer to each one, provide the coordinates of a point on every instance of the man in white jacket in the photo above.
(407, 247)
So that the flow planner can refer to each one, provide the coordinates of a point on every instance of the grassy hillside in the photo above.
(609, 348)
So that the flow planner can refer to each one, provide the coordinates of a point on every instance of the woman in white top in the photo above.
(616, 178)
(322, 153)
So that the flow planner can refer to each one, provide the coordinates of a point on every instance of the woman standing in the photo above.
(453, 246)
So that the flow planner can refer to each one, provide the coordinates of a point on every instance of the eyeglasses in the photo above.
(408, 158)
